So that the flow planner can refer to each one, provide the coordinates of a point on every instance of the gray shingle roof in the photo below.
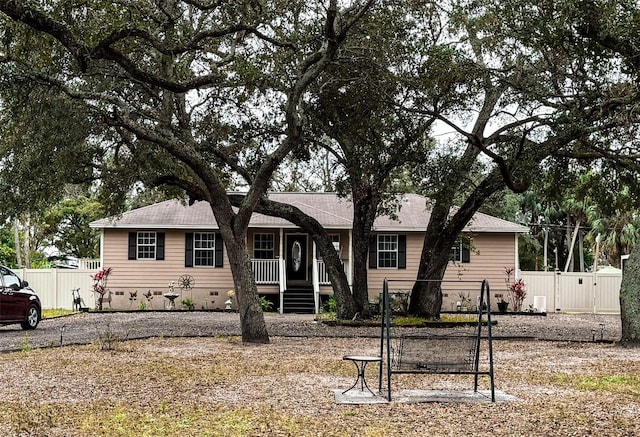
(332, 211)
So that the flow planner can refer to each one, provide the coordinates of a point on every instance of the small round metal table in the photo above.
(361, 361)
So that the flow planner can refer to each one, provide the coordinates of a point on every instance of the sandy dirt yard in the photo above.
(216, 386)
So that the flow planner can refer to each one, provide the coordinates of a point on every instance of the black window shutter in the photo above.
(188, 249)
(373, 252)
(219, 262)
(133, 245)
(402, 251)
(466, 250)
(159, 246)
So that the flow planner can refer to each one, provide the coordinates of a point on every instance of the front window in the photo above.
(335, 240)
(146, 245)
(460, 251)
(204, 245)
(263, 246)
(387, 251)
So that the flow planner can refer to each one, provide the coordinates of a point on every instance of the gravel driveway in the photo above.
(84, 328)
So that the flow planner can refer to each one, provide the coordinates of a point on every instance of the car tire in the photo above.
(32, 319)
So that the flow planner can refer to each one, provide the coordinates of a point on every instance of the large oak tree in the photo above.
(194, 93)
(524, 88)
(610, 30)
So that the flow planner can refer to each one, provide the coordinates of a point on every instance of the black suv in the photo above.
(18, 303)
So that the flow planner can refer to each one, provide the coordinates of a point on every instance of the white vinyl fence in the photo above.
(54, 286)
(571, 292)
(574, 292)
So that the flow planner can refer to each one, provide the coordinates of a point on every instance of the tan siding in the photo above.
(144, 275)
(326, 289)
(490, 254)
(377, 276)
(268, 289)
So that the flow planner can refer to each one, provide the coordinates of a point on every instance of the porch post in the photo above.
(315, 280)
(282, 279)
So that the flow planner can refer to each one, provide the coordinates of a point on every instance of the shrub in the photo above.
(266, 304)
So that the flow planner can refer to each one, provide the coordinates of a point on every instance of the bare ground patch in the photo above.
(217, 386)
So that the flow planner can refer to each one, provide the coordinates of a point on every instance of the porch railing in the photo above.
(266, 271)
(89, 264)
(323, 276)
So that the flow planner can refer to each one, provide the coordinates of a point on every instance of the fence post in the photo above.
(56, 287)
(556, 285)
(594, 277)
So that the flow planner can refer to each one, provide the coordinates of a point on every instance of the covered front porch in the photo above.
(296, 273)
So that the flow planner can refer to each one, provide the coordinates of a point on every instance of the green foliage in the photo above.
(8, 256)
(187, 303)
(58, 312)
(39, 261)
(266, 304)
(627, 384)
(458, 318)
(444, 319)
(25, 343)
(408, 321)
(330, 304)
(483, 70)
(173, 103)
(399, 302)
(601, 198)
(7, 248)
(67, 226)
(42, 135)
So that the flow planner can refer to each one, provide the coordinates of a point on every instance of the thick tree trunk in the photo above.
(253, 326)
(630, 300)
(426, 297)
(364, 213)
(346, 306)
(360, 248)
(441, 233)
(234, 234)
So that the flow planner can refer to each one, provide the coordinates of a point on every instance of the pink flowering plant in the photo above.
(517, 290)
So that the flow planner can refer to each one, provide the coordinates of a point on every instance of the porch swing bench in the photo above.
(429, 352)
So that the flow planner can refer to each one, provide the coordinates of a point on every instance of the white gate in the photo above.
(574, 292)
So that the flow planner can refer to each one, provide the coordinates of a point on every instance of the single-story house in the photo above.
(174, 243)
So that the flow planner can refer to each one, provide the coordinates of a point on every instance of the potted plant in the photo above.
(502, 304)
(464, 304)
